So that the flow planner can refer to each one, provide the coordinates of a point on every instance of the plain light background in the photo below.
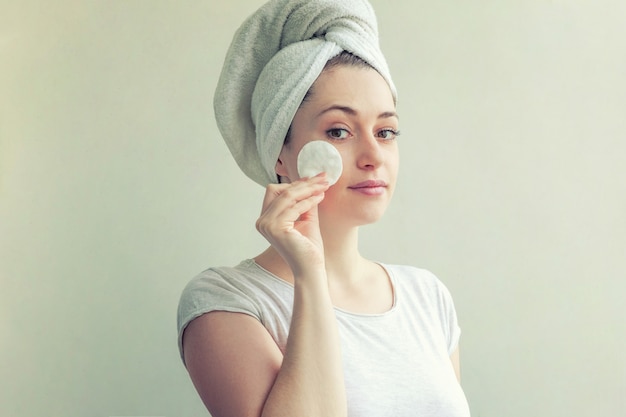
(116, 189)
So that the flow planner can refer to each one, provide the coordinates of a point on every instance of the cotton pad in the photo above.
(319, 156)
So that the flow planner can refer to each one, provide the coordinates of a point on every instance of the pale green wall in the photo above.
(115, 189)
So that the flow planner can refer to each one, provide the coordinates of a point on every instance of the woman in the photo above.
(309, 327)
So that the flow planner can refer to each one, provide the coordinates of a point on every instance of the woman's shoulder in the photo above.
(242, 288)
(421, 293)
(243, 281)
(224, 276)
(217, 286)
(412, 274)
(418, 281)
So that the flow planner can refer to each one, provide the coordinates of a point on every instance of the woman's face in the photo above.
(353, 109)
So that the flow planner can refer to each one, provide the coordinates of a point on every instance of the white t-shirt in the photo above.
(396, 364)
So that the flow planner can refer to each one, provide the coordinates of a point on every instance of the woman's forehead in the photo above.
(350, 90)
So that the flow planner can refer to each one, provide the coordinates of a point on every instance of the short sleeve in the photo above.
(448, 316)
(208, 292)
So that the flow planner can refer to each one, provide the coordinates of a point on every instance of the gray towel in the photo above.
(274, 58)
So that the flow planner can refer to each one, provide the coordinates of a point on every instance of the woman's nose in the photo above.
(369, 153)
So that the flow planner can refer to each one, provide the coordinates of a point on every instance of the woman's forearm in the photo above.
(310, 381)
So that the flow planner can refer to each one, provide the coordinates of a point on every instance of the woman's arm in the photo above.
(310, 381)
(234, 363)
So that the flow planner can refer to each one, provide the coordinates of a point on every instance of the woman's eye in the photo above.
(337, 133)
(388, 134)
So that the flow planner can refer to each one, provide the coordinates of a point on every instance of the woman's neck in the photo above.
(341, 252)
(342, 258)
(355, 284)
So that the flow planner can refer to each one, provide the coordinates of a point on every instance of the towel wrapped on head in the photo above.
(273, 60)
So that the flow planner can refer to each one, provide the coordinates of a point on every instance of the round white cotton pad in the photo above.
(319, 156)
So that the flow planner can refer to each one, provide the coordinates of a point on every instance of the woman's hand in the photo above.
(289, 221)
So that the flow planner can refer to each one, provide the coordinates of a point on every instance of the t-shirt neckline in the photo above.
(251, 263)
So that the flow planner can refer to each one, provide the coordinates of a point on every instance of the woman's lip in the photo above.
(369, 184)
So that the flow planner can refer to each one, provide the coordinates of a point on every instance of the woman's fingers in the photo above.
(285, 219)
(286, 204)
(280, 197)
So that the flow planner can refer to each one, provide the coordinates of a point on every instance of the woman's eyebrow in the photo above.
(345, 109)
(388, 114)
(353, 112)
